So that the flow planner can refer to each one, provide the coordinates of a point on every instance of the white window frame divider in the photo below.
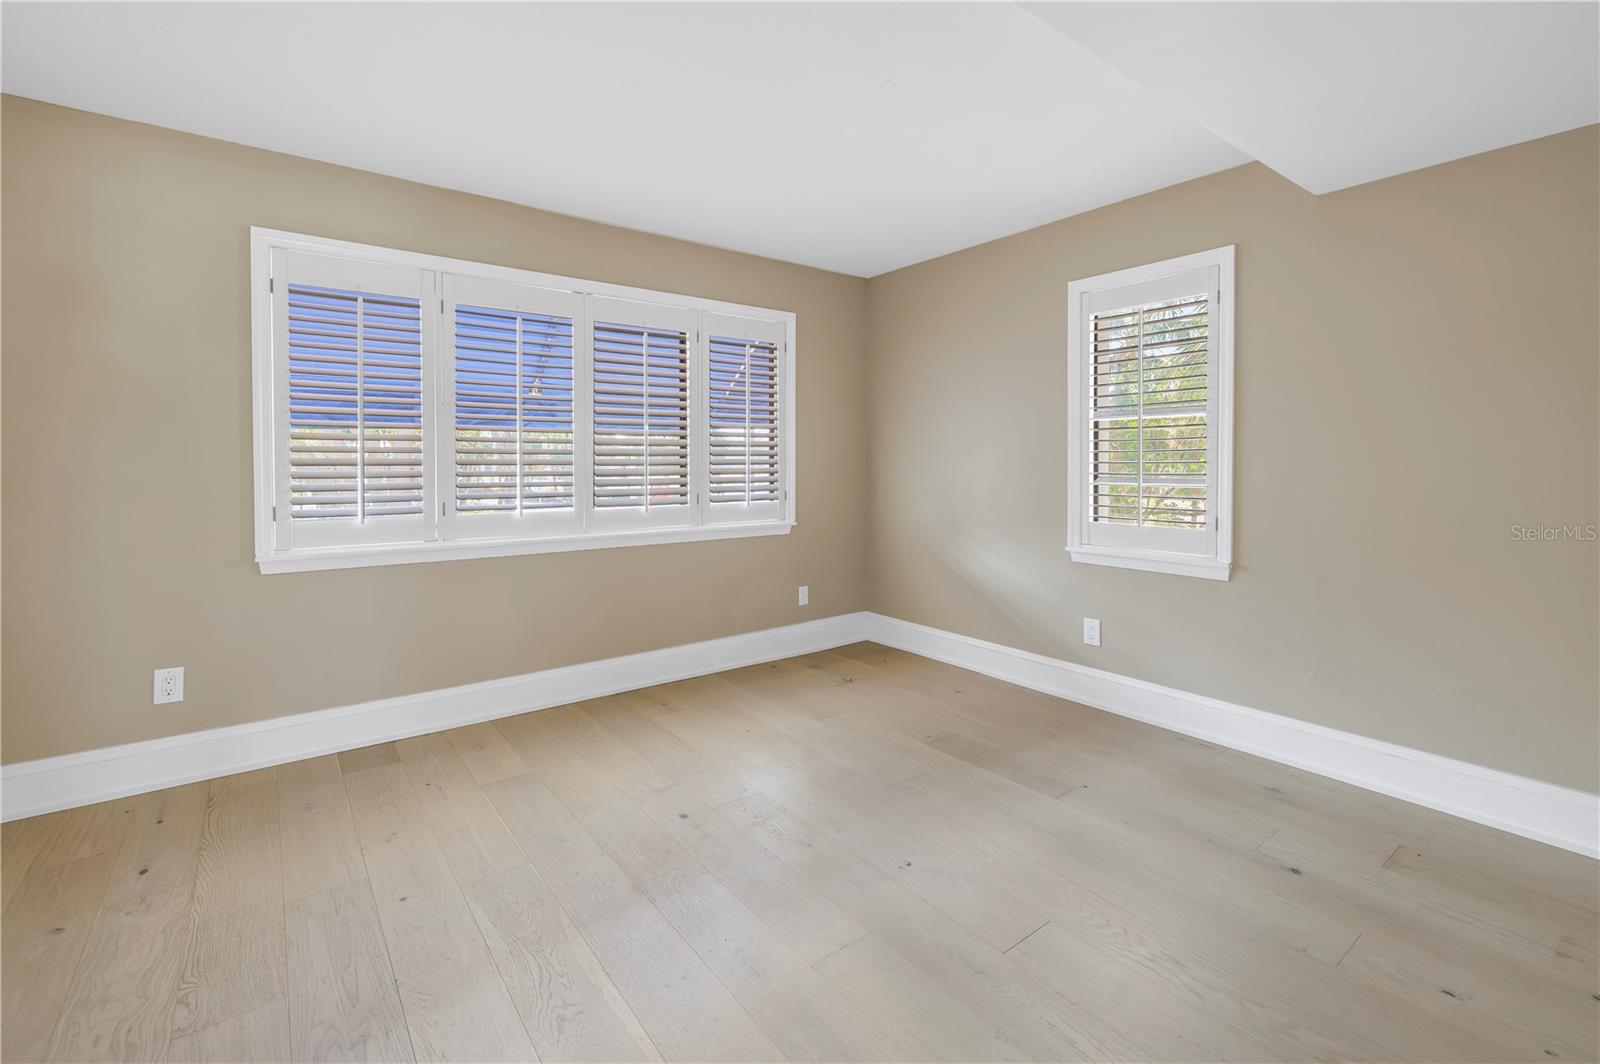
(266, 243)
(1217, 562)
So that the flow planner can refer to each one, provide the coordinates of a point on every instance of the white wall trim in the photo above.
(1532, 808)
(29, 788)
(1549, 813)
(309, 559)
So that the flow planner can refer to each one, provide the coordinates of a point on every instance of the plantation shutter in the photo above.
(744, 404)
(1152, 405)
(510, 396)
(408, 407)
(353, 422)
(1150, 389)
(640, 368)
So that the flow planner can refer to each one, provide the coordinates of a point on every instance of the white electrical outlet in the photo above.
(169, 685)
(805, 594)
(1091, 631)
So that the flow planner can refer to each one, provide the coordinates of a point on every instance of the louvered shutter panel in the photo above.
(511, 392)
(744, 410)
(1149, 434)
(350, 378)
(640, 368)
(407, 403)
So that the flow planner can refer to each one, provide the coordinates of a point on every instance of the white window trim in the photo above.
(1216, 565)
(270, 559)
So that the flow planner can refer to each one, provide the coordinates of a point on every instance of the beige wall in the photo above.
(1416, 373)
(1440, 327)
(127, 475)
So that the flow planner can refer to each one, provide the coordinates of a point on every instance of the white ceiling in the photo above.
(855, 137)
(1338, 94)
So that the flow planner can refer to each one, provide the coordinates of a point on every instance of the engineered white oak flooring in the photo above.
(852, 855)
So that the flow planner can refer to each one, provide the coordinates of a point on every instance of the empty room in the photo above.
(735, 532)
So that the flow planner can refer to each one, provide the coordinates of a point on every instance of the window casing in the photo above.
(410, 408)
(1150, 366)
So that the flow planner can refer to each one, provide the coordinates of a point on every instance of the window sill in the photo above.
(451, 550)
(1153, 562)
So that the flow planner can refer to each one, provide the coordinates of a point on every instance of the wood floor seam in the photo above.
(1347, 951)
(1025, 938)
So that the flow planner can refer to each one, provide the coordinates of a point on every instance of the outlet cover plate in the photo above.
(169, 685)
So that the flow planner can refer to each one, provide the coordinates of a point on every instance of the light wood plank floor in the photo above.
(850, 855)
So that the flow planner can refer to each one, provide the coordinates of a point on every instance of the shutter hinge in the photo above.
(269, 284)
(274, 513)
(442, 508)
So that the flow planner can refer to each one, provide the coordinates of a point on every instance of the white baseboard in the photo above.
(1549, 813)
(29, 788)
(1543, 811)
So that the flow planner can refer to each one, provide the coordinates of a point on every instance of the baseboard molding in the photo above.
(1543, 811)
(29, 788)
(1556, 815)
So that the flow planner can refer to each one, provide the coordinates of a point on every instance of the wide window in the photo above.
(410, 407)
(1150, 363)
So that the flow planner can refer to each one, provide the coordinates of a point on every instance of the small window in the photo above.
(411, 407)
(1150, 363)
